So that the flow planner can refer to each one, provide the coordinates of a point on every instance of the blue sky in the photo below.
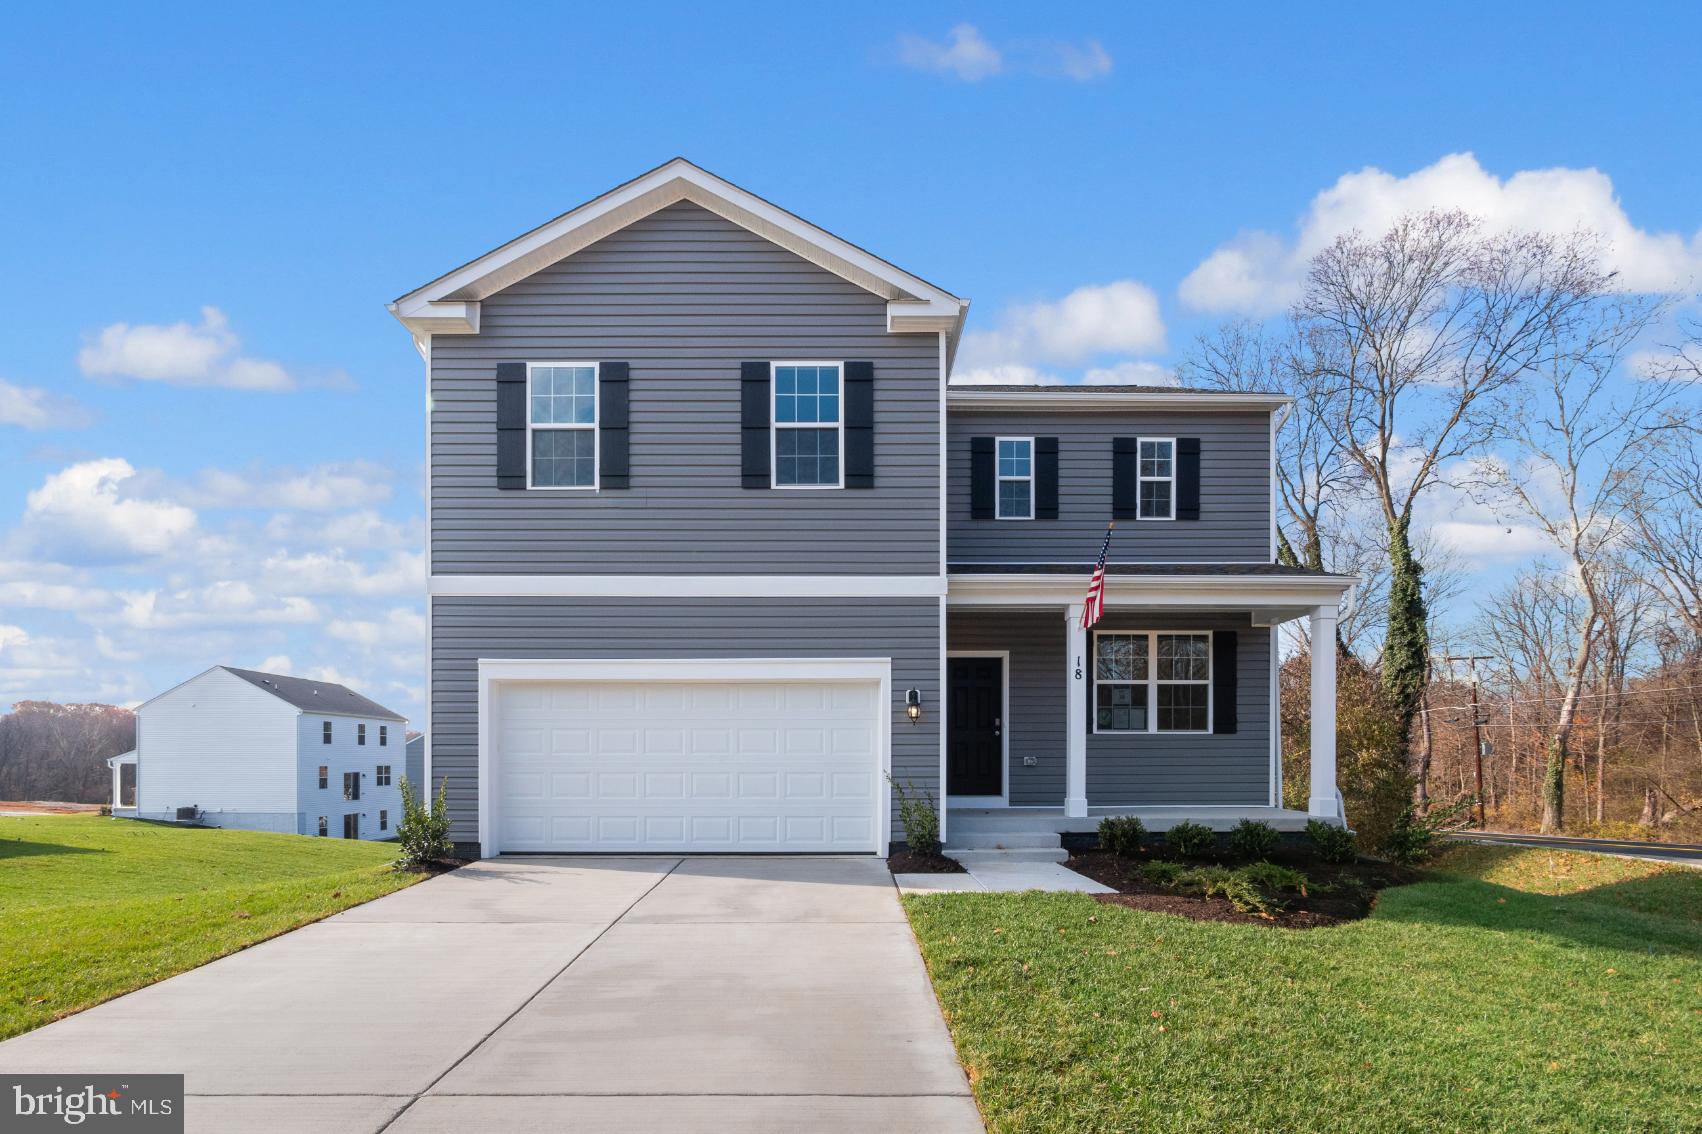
(210, 427)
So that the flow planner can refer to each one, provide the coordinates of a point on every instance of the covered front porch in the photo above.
(117, 764)
(1168, 709)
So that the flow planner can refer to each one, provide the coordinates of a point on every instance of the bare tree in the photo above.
(1428, 328)
(1667, 536)
(1583, 441)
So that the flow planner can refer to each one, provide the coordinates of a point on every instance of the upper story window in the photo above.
(561, 436)
(381, 777)
(325, 733)
(383, 735)
(807, 425)
(1152, 681)
(324, 775)
(360, 733)
(1016, 478)
(1157, 477)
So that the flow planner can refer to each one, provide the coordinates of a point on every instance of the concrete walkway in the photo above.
(707, 994)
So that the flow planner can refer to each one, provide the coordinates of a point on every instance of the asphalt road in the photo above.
(1690, 854)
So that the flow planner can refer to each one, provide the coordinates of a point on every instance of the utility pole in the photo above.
(1478, 722)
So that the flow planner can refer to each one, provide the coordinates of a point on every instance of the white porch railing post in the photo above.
(1075, 680)
(1325, 801)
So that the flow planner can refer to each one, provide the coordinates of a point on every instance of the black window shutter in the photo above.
(511, 425)
(859, 425)
(1045, 478)
(753, 421)
(1226, 669)
(1125, 504)
(614, 464)
(1187, 478)
(982, 478)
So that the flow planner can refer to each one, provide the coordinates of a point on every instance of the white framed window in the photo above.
(1152, 681)
(561, 425)
(1155, 474)
(808, 431)
(360, 733)
(1015, 470)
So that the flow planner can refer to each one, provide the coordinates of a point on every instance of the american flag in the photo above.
(1094, 608)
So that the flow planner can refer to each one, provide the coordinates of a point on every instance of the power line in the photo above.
(1562, 697)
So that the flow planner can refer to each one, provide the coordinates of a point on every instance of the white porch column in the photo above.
(117, 785)
(1325, 801)
(1075, 716)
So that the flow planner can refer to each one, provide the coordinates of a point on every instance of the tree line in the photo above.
(58, 752)
(1515, 370)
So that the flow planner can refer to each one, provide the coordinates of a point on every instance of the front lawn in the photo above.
(1512, 990)
(91, 908)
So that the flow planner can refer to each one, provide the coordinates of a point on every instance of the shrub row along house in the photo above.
(265, 752)
(715, 550)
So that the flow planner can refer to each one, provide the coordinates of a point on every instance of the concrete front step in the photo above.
(1004, 840)
(971, 859)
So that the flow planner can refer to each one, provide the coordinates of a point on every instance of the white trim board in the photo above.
(1086, 399)
(498, 671)
(687, 586)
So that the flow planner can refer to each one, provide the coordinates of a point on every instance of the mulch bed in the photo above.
(908, 862)
(1335, 894)
(436, 866)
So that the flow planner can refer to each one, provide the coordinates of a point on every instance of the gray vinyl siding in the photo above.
(684, 297)
(1235, 501)
(1124, 769)
(466, 629)
(1035, 720)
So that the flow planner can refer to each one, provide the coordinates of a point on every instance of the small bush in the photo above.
(1121, 834)
(1190, 840)
(1221, 882)
(106, 810)
(1270, 877)
(1252, 840)
(919, 817)
(1330, 842)
(1161, 873)
(424, 834)
(1410, 840)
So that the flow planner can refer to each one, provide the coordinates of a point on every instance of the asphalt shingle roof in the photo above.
(315, 696)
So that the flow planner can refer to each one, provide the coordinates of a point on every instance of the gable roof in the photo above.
(449, 305)
(315, 696)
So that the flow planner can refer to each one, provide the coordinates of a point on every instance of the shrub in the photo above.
(1161, 873)
(921, 820)
(1253, 840)
(1222, 882)
(1121, 834)
(422, 833)
(1190, 840)
(1271, 877)
(1330, 842)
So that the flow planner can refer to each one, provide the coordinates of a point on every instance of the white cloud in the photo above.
(335, 573)
(402, 626)
(82, 514)
(182, 355)
(1260, 272)
(1010, 374)
(277, 663)
(1131, 374)
(967, 55)
(225, 603)
(362, 529)
(1121, 316)
(329, 487)
(33, 407)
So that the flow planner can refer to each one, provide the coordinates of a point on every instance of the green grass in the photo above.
(1514, 990)
(91, 908)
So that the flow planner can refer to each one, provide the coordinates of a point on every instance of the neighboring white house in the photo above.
(267, 752)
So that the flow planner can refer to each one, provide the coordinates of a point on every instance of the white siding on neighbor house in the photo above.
(344, 754)
(218, 743)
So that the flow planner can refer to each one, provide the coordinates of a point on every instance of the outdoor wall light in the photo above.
(913, 704)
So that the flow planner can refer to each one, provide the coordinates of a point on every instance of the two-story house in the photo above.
(716, 552)
(268, 752)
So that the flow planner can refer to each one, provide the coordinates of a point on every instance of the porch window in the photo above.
(1152, 681)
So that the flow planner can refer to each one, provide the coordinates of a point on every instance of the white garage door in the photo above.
(687, 766)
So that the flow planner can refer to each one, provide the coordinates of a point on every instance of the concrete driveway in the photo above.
(614, 994)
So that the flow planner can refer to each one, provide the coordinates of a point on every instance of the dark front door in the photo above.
(974, 726)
